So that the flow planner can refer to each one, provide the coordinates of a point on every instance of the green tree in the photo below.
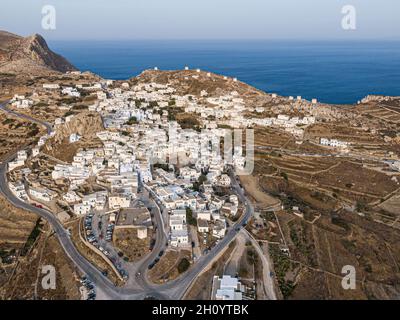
(132, 120)
(189, 217)
(202, 179)
(153, 104)
(183, 265)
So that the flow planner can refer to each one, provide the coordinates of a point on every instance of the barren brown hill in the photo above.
(192, 82)
(26, 245)
(29, 55)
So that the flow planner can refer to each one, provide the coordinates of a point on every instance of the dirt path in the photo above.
(269, 285)
(232, 266)
(251, 184)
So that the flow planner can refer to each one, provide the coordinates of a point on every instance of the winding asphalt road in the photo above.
(140, 288)
(3, 106)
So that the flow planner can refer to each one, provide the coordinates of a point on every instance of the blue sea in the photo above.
(331, 71)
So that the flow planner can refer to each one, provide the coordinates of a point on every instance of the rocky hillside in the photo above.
(193, 83)
(29, 55)
(86, 125)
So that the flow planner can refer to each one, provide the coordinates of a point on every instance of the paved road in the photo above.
(160, 244)
(48, 126)
(172, 290)
(177, 288)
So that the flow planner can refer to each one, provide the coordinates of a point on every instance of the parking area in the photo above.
(99, 232)
(89, 288)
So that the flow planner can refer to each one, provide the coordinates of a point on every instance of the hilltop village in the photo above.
(120, 153)
(133, 150)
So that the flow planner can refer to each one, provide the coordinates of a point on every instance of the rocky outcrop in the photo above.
(85, 124)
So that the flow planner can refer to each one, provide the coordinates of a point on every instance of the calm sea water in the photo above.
(333, 72)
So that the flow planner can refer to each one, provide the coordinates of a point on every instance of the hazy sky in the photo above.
(202, 19)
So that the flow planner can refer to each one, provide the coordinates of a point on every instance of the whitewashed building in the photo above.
(227, 288)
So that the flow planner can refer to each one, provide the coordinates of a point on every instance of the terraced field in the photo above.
(319, 251)
(388, 113)
(15, 133)
(343, 132)
(15, 225)
(331, 175)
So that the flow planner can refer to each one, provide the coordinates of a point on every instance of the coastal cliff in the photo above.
(29, 55)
